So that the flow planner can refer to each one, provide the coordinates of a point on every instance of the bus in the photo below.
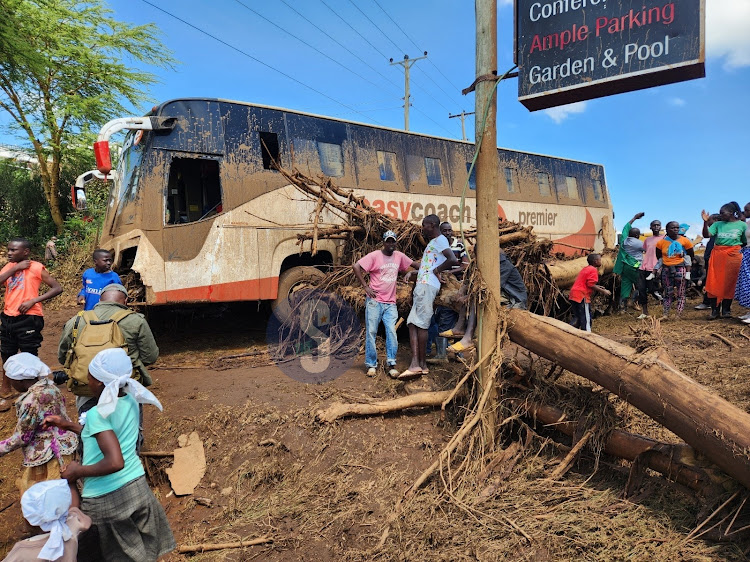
(200, 212)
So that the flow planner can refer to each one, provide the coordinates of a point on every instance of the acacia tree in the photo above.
(65, 69)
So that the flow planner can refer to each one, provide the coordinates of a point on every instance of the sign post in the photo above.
(574, 50)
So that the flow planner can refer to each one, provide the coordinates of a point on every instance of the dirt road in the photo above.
(323, 492)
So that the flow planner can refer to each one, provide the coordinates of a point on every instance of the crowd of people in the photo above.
(82, 481)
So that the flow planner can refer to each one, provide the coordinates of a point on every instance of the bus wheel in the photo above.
(290, 281)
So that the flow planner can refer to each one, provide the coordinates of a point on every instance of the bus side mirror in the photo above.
(80, 202)
(101, 153)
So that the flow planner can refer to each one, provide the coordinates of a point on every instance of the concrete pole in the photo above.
(407, 63)
(488, 259)
(463, 115)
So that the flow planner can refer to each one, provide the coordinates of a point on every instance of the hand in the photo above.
(607, 293)
(81, 300)
(369, 292)
(439, 275)
(21, 265)
(639, 216)
(705, 216)
(24, 307)
(408, 275)
(71, 472)
(54, 421)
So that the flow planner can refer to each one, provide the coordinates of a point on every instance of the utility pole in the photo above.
(407, 63)
(463, 115)
(488, 258)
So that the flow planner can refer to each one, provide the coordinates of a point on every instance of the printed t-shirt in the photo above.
(583, 287)
(124, 422)
(677, 259)
(728, 233)
(433, 257)
(383, 272)
(93, 283)
(649, 256)
(22, 286)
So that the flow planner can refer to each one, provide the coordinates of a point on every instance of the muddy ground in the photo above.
(323, 492)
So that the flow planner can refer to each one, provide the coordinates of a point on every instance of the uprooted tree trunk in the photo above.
(708, 423)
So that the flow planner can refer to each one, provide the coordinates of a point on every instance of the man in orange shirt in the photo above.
(22, 318)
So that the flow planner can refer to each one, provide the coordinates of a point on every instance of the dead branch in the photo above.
(567, 462)
(725, 340)
(419, 400)
(156, 454)
(207, 547)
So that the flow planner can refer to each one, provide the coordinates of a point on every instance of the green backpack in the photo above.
(94, 336)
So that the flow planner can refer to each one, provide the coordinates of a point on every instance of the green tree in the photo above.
(65, 70)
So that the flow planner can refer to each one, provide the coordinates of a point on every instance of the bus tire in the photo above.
(289, 281)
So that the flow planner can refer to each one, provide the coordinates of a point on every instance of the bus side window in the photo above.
(269, 146)
(473, 176)
(572, 185)
(543, 180)
(331, 159)
(597, 190)
(194, 191)
(510, 180)
(387, 165)
(432, 165)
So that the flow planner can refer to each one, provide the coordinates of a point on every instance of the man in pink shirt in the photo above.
(383, 266)
(646, 285)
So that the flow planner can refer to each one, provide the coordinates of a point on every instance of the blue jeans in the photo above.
(375, 312)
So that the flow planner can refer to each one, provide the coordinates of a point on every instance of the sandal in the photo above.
(410, 375)
(458, 347)
(451, 334)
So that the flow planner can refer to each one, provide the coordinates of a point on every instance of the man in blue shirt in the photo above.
(96, 278)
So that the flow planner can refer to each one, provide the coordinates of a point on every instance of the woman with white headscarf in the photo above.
(45, 449)
(130, 521)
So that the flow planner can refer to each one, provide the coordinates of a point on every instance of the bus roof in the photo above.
(160, 106)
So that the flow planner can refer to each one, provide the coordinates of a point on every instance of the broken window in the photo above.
(193, 191)
(432, 165)
(269, 146)
(387, 165)
(331, 159)
(472, 176)
(597, 190)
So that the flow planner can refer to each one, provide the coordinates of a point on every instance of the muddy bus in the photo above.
(199, 211)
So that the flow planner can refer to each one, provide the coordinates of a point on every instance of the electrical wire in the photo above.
(248, 55)
(376, 26)
(354, 30)
(332, 38)
(277, 26)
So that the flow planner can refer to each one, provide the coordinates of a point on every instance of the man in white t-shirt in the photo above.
(437, 258)
(383, 266)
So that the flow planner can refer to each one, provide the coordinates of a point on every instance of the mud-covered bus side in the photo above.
(199, 211)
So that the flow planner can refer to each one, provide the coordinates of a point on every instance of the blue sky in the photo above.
(668, 151)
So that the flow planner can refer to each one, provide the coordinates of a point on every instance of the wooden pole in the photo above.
(488, 259)
(709, 424)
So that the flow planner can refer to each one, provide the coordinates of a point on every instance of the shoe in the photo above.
(658, 296)
(371, 372)
(714, 314)
(726, 309)
(744, 316)
(393, 372)
(637, 306)
(642, 317)
(650, 277)
(5, 404)
(702, 306)
(746, 320)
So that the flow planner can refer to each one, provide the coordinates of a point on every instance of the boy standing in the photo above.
(437, 258)
(383, 266)
(22, 318)
(582, 290)
(96, 278)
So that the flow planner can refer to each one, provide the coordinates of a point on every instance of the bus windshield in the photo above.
(128, 169)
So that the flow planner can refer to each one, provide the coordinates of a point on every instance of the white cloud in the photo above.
(677, 102)
(727, 24)
(561, 113)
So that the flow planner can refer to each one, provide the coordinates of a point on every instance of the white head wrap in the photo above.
(113, 367)
(46, 505)
(25, 366)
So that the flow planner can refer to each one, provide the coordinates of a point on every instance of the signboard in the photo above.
(574, 50)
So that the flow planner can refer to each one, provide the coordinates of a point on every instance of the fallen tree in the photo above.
(708, 423)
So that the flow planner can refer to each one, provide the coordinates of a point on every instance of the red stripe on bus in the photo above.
(586, 237)
(252, 290)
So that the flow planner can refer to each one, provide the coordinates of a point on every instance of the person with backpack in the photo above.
(110, 324)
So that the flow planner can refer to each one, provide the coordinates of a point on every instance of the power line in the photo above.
(413, 43)
(306, 43)
(383, 76)
(354, 30)
(248, 55)
(376, 26)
